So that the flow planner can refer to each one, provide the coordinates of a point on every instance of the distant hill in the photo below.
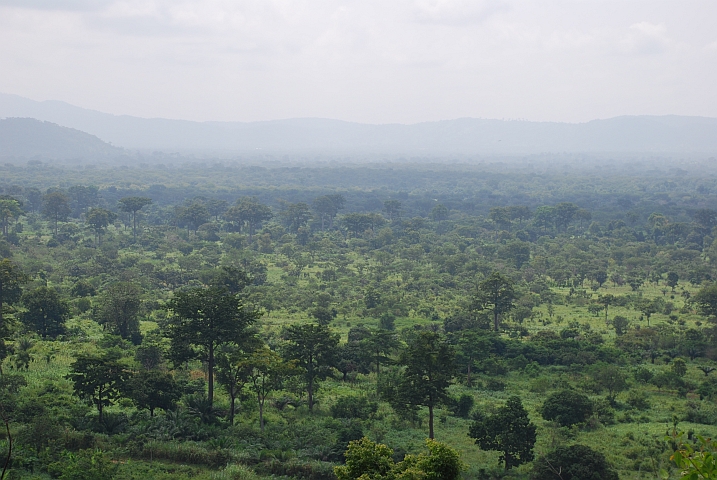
(28, 137)
(627, 134)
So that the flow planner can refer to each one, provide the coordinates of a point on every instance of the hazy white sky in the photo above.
(373, 61)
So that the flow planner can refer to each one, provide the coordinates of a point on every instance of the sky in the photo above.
(372, 61)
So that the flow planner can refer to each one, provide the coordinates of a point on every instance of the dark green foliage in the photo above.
(85, 465)
(706, 300)
(576, 462)
(353, 407)
(429, 369)
(119, 308)
(203, 320)
(567, 408)
(508, 431)
(462, 406)
(495, 293)
(98, 380)
(313, 348)
(150, 389)
(46, 312)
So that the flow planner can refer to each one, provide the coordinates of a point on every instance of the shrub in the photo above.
(353, 407)
(567, 407)
(576, 462)
(462, 406)
(638, 399)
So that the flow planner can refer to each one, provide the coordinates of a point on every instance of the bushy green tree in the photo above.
(574, 462)
(314, 349)
(495, 293)
(508, 431)
(100, 380)
(204, 319)
(567, 407)
(429, 362)
(46, 312)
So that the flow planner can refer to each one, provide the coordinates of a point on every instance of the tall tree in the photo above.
(508, 431)
(99, 219)
(205, 319)
(10, 208)
(392, 209)
(266, 371)
(250, 212)
(98, 379)
(11, 280)
(152, 389)
(119, 310)
(193, 215)
(46, 312)
(495, 293)
(132, 205)
(314, 349)
(429, 370)
(706, 300)
(328, 206)
(295, 216)
(55, 207)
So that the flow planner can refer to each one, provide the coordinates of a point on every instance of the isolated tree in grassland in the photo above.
(706, 300)
(508, 431)
(55, 207)
(98, 379)
(46, 312)
(609, 377)
(99, 219)
(606, 300)
(429, 369)
(672, 280)
(119, 309)
(495, 293)
(132, 205)
(204, 319)
(314, 349)
(567, 407)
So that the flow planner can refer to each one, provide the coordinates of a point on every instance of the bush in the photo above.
(567, 407)
(576, 462)
(495, 385)
(638, 399)
(353, 407)
(462, 406)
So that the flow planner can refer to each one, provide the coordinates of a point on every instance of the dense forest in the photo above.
(543, 318)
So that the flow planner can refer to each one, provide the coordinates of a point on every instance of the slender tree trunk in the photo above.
(430, 422)
(495, 319)
(311, 394)
(210, 369)
(261, 412)
(468, 378)
(231, 408)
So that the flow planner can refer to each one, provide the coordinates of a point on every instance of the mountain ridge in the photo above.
(630, 133)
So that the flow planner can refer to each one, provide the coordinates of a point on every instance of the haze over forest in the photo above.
(669, 134)
(358, 240)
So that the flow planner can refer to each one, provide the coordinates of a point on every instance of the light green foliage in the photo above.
(367, 460)
(697, 461)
